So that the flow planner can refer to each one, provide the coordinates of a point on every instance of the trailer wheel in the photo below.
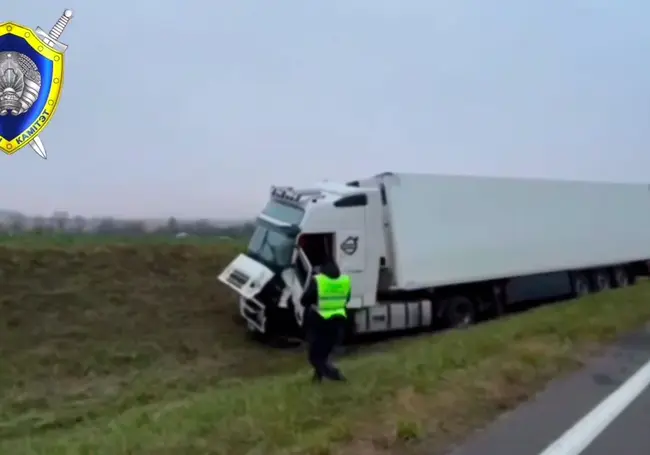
(602, 280)
(459, 312)
(580, 284)
(621, 277)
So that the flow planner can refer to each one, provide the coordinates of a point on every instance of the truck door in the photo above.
(304, 273)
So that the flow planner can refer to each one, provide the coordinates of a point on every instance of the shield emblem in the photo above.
(31, 80)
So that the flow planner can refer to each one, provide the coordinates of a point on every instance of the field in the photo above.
(115, 348)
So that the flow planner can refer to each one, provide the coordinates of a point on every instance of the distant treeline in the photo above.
(79, 225)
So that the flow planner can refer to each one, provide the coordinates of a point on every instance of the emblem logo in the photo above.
(349, 246)
(31, 80)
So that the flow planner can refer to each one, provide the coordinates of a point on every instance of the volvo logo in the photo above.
(350, 245)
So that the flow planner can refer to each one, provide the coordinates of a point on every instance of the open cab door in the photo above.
(297, 279)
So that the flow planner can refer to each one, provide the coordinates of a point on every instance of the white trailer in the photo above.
(430, 250)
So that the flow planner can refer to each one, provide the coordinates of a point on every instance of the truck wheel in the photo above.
(459, 312)
(621, 277)
(580, 284)
(602, 280)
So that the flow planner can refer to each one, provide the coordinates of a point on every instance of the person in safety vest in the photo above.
(325, 301)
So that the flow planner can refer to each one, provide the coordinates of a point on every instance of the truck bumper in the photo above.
(253, 313)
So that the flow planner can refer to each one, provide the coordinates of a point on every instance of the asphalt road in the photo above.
(573, 408)
(629, 434)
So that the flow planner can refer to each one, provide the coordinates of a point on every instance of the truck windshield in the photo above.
(272, 246)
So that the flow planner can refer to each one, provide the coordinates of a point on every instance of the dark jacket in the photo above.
(310, 297)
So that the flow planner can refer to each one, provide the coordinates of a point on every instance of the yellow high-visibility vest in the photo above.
(332, 295)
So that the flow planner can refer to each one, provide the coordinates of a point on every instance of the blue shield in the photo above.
(31, 80)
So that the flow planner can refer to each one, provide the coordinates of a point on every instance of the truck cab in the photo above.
(297, 232)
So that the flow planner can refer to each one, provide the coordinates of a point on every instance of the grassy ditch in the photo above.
(181, 379)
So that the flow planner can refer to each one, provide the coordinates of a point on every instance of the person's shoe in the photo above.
(336, 375)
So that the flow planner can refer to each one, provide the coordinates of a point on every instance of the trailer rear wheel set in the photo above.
(603, 279)
(462, 309)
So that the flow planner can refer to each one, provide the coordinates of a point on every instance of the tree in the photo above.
(203, 227)
(132, 228)
(172, 225)
(17, 225)
(79, 224)
(106, 226)
(41, 225)
(60, 220)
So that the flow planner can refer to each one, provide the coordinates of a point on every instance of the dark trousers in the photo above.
(322, 337)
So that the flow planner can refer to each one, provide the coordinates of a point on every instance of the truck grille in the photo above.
(238, 278)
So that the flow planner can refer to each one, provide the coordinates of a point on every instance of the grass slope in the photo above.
(134, 349)
(95, 330)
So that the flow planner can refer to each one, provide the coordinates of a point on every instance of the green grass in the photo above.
(134, 350)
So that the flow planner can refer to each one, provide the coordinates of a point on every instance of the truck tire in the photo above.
(580, 284)
(459, 312)
(602, 280)
(621, 277)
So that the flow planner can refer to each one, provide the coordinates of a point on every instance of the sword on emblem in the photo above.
(52, 40)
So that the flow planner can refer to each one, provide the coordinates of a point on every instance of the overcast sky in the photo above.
(194, 108)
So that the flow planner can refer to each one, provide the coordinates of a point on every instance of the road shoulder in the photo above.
(530, 428)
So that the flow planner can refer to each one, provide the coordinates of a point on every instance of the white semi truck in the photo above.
(430, 250)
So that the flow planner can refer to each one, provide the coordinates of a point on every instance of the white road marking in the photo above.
(578, 437)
